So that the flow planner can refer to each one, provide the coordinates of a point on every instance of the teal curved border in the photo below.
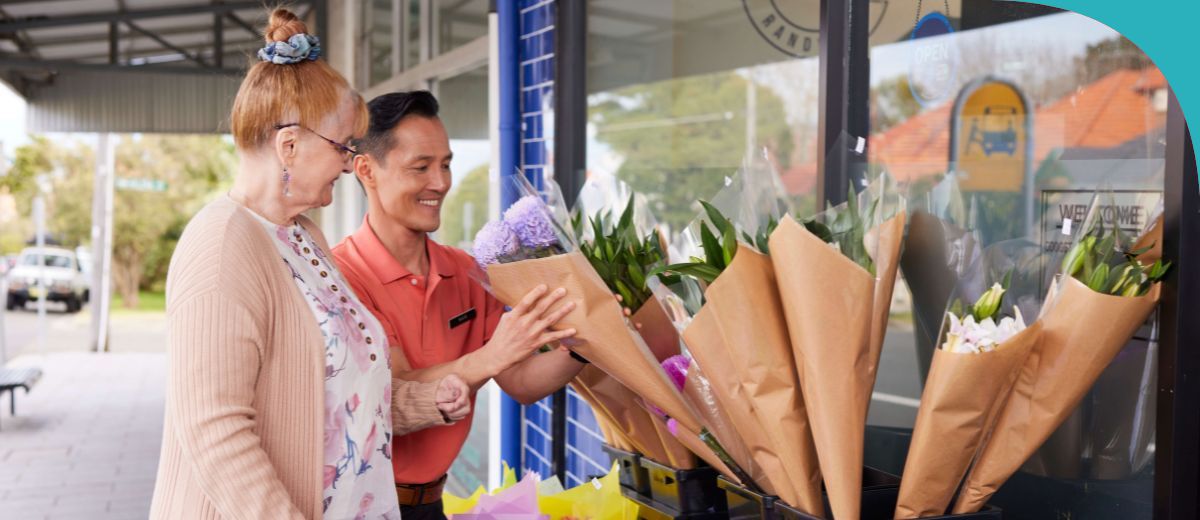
(1160, 28)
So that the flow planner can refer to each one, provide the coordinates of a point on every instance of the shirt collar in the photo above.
(386, 268)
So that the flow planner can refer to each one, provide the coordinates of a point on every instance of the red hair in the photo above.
(307, 92)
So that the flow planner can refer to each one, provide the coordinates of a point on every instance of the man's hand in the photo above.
(453, 398)
(526, 328)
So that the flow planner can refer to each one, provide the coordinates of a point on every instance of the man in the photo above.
(439, 320)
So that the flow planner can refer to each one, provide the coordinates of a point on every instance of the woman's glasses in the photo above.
(344, 149)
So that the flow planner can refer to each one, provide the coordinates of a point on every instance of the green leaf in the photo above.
(713, 253)
(716, 217)
(1141, 251)
(626, 294)
(819, 230)
(701, 271)
(730, 245)
(636, 275)
(1098, 277)
(626, 221)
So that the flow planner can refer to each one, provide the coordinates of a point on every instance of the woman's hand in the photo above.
(453, 398)
(526, 328)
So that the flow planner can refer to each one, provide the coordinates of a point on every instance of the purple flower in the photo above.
(676, 368)
(530, 220)
(495, 241)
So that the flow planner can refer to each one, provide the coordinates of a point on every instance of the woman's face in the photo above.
(315, 157)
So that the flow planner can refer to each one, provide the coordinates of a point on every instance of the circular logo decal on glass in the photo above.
(933, 61)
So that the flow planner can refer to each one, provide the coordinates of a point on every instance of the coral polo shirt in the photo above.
(434, 319)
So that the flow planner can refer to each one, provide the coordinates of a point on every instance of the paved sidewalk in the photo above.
(85, 442)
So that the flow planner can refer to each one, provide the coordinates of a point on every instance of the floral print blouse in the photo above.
(358, 481)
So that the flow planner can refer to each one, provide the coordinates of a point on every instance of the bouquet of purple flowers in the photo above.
(533, 245)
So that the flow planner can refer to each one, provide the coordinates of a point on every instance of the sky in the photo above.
(12, 128)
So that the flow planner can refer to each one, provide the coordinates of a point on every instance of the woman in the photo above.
(280, 402)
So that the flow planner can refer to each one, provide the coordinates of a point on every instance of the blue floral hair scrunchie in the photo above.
(296, 49)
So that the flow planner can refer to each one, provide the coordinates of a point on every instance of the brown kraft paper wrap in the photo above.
(1081, 334)
(885, 242)
(677, 455)
(656, 329)
(962, 395)
(603, 336)
(745, 303)
(619, 404)
(704, 342)
(693, 442)
(698, 391)
(827, 301)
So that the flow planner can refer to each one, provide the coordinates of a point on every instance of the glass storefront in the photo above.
(401, 34)
(679, 93)
(1029, 110)
(1025, 110)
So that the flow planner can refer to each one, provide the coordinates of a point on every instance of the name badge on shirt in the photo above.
(462, 318)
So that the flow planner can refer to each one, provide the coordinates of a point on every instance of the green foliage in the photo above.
(892, 103)
(1096, 261)
(622, 258)
(473, 189)
(675, 164)
(720, 245)
(846, 226)
(146, 225)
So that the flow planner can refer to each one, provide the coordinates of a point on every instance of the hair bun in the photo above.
(282, 25)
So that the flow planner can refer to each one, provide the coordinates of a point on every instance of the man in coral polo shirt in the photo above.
(438, 319)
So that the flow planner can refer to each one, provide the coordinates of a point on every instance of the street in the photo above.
(63, 330)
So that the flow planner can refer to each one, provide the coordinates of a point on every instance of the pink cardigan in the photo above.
(244, 415)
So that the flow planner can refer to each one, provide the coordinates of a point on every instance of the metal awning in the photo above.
(75, 61)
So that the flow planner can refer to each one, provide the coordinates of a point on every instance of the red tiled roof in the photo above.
(1113, 110)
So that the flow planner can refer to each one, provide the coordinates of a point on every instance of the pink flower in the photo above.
(335, 432)
(369, 444)
(282, 234)
(365, 504)
(353, 403)
(330, 475)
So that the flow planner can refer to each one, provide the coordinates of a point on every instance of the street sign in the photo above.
(990, 146)
(129, 184)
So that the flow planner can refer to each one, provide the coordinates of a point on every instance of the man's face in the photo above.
(416, 178)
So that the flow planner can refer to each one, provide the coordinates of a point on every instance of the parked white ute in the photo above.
(64, 279)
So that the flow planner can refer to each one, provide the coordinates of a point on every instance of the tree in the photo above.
(146, 224)
(472, 189)
(892, 103)
(679, 138)
(1107, 56)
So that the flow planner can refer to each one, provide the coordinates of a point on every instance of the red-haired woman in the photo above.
(280, 400)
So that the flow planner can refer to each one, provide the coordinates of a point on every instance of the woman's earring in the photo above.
(287, 182)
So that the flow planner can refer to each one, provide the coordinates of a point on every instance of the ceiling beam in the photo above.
(238, 21)
(124, 34)
(163, 41)
(232, 48)
(28, 64)
(38, 22)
